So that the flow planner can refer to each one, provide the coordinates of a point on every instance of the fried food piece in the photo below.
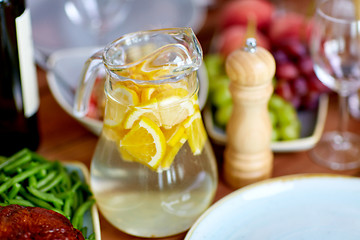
(35, 223)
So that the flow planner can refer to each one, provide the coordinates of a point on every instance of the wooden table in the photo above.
(64, 139)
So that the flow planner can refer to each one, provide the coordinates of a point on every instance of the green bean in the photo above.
(51, 184)
(45, 196)
(34, 200)
(67, 206)
(37, 157)
(91, 237)
(14, 158)
(2, 159)
(80, 197)
(3, 178)
(47, 179)
(77, 218)
(20, 161)
(30, 165)
(21, 202)
(75, 201)
(66, 179)
(42, 174)
(83, 230)
(14, 190)
(72, 191)
(22, 176)
(32, 181)
(4, 197)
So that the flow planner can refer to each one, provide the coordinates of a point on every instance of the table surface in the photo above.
(64, 139)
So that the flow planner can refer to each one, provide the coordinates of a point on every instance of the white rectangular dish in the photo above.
(91, 217)
(312, 125)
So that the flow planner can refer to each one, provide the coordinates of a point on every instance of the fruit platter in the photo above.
(298, 106)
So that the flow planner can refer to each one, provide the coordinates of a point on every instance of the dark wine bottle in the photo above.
(19, 96)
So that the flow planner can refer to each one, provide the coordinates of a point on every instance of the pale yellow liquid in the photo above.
(146, 203)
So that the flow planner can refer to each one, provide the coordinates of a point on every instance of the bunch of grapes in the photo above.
(296, 80)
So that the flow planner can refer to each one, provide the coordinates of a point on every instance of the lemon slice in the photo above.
(195, 130)
(126, 156)
(114, 113)
(146, 94)
(174, 134)
(174, 106)
(148, 110)
(116, 105)
(124, 95)
(145, 142)
(177, 92)
(115, 133)
(171, 152)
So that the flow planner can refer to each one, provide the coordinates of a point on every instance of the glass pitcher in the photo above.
(153, 171)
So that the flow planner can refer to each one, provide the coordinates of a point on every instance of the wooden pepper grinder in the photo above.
(248, 157)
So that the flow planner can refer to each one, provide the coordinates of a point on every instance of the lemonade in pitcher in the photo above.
(153, 172)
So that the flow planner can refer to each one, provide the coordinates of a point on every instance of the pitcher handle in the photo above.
(88, 76)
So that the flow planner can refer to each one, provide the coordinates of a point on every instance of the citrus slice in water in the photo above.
(124, 95)
(196, 133)
(171, 152)
(145, 142)
(146, 94)
(174, 134)
(114, 113)
(148, 110)
(174, 106)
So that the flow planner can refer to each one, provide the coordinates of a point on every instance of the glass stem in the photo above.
(340, 141)
(343, 113)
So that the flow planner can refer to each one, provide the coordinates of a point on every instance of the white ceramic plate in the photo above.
(63, 77)
(53, 31)
(294, 207)
(312, 126)
(91, 217)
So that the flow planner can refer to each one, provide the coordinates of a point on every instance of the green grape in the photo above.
(289, 131)
(274, 134)
(214, 65)
(276, 102)
(273, 118)
(287, 114)
(217, 81)
(222, 114)
(221, 95)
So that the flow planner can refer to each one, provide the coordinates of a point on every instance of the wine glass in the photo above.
(335, 49)
(98, 16)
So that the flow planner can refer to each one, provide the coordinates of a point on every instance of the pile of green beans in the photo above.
(29, 180)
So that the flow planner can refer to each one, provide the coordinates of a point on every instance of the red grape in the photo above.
(305, 65)
(300, 86)
(280, 56)
(283, 89)
(286, 71)
(294, 48)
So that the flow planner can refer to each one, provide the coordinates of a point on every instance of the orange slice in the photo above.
(148, 110)
(174, 134)
(124, 95)
(146, 94)
(145, 142)
(196, 133)
(171, 152)
(174, 106)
